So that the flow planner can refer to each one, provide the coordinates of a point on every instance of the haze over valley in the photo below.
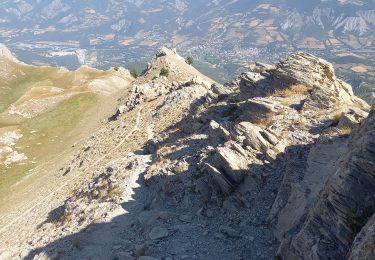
(224, 37)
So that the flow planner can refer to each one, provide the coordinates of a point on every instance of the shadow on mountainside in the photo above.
(181, 215)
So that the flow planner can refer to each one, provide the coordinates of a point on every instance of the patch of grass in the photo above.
(189, 60)
(115, 192)
(181, 167)
(10, 176)
(344, 131)
(54, 130)
(156, 167)
(57, 122)
(134, 73)
(164, 72)
(11, 91)
(297, 89)
(263, 122)
(28, 77)
(341, 131)
(65, 219)
(337, 117)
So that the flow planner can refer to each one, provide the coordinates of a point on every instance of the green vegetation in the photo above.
(28, 77)
(189, 60)
(12, 90)
(164, 72)
(57, 122)
(134, 73)
(46, 136)
(337, 117)
(116, 68)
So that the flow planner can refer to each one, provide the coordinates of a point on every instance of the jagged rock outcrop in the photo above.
(178, 69)
(287, 104)
(299, 111)
(344, 206)
(233, 169)
(153, 85)
(363, 245)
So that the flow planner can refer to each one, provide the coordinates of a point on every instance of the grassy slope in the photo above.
(12, 90)
(23, 78)
(55, 128)
(54, 132)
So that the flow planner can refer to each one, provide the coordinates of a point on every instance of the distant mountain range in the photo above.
(225, 35)
(243, 22)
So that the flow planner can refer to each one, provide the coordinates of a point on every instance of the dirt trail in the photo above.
(50, 196)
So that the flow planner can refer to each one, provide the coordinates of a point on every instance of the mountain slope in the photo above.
(190, 169)
(44, 110)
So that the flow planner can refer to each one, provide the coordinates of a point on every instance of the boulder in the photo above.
(220, 90)
(233, 161)
(158, 233)
(270, 137)
(258, 110)
(305, 69)
(253, 136)
(218, 134)
(352, 118)
(219, 179)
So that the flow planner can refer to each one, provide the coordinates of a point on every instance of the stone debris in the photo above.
(158, 233)
(14, 157)
(10, 138)
(8, 154)
(278, 162)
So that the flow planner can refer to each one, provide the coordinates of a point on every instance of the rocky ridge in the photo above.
(344, 207)
(277, 162)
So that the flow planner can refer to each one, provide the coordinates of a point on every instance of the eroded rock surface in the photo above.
(344, 205)
(279, 161)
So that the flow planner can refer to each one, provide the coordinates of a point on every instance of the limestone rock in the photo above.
(363, 245)
(164, 51)
(352, 118)
(233, 161)
(158, 233)
(222, 182)
(343, 207)
(253, 136)
(220, 90)
(218, 134)
(258, 110)
(304, 68)
(270, 137)
(252, 84)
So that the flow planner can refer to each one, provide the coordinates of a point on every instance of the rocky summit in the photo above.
(278, 163)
